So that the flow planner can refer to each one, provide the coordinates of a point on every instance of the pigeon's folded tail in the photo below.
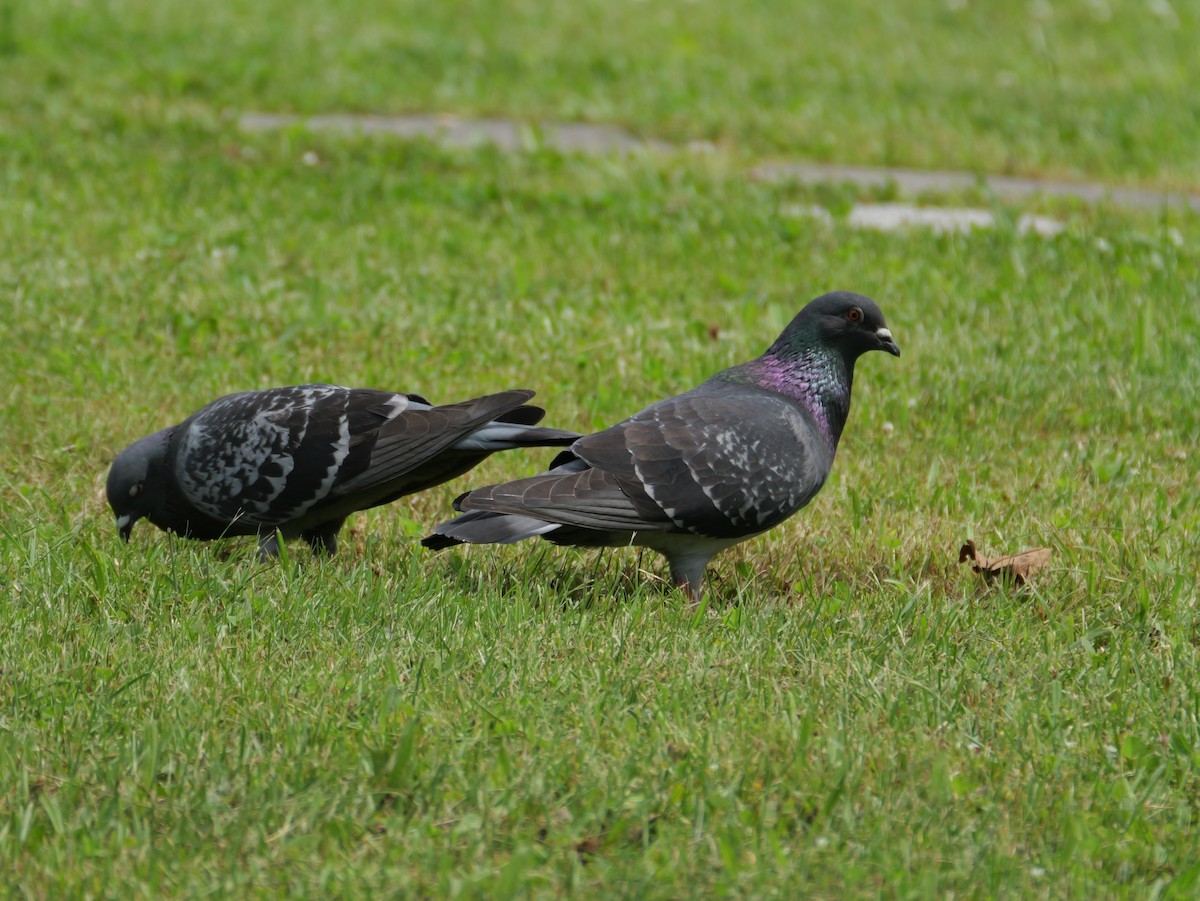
(486, 527)
(498, 436)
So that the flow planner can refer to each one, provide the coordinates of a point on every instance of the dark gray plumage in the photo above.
(693, 474)
(301, 459)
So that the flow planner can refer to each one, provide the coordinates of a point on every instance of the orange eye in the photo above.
(854, 314)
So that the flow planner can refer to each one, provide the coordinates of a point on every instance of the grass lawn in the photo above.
(1101, 88)
(852, 713)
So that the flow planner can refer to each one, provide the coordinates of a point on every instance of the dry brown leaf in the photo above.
(1018, 567)
(588, 846)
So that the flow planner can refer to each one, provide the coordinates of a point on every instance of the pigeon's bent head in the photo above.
(135, 482)
(851, 323)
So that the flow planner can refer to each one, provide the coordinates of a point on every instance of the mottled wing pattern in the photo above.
(720, 462)
(724, 464)
(266, 457)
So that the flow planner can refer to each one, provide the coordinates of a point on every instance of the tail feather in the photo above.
(526, 414)
(500, 435)
(485, 527)
(567, 461)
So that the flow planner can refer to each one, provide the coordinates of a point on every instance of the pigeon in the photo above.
(699, 472)
(300, 459)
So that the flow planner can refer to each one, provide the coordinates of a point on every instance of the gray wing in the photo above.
(423, 446)
(723, 462)
(574, 494)
(266, 457)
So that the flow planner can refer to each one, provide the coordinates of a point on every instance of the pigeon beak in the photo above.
(125, 526)
(887, 342)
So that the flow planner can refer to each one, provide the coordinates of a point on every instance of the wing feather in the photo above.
(723, 461)
(263, 456)
(418, 435)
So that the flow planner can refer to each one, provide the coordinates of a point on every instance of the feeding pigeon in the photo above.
(694, 474)
(301, 459)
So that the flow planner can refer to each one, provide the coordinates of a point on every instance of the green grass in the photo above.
(852, 714)
(1102, 88)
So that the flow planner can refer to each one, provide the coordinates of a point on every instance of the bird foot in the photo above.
(322, 542)
(691, 592)
(268, 547)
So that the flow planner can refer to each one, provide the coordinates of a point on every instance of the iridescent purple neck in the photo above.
(819, 382)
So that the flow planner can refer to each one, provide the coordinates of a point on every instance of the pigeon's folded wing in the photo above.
(266, 457)
(574, 496)
(718, 462)
(419, 434)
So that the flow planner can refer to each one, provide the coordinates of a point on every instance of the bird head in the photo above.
(849, 322)
(136, 479)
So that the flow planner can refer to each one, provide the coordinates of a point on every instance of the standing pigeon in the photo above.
(301, 459)
(694, 474)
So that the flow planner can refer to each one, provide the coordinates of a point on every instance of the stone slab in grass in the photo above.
(452, 131)
(584, 137)
(1006, 187)
(942, 220)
